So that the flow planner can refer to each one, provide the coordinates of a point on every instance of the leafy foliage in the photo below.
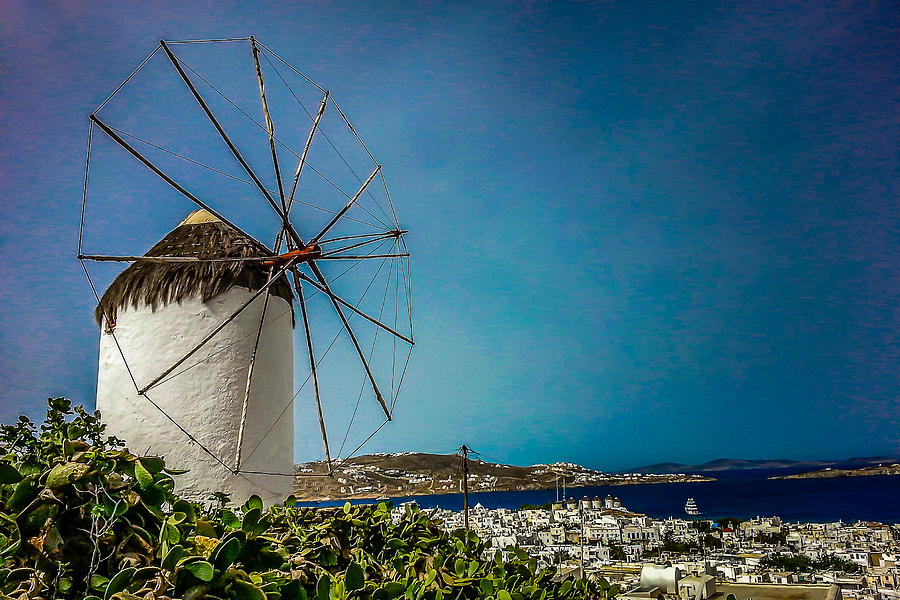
(81, 517)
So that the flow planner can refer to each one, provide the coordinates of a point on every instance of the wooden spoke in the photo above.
(270, 126)
(108, 131)
(234, 151)
(359, 351)
(358, 244)
(396, 233)
(312, 365)
(362, 256)
(306, 146)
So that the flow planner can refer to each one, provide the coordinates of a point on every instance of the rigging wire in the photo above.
(318, 362)
(272, 321)
(333, 147)
(261, 126)
(210, 40)
(241, 180)
(127, 79)
(134, 381)
(291, 67)
(371, 353)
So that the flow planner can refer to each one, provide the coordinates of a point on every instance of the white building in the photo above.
(152, 315)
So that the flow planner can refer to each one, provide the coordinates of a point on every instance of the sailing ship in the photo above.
(690, 507)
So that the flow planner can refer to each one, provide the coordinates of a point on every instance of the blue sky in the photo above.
(640, 233)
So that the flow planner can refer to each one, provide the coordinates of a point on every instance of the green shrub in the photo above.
(81, 517)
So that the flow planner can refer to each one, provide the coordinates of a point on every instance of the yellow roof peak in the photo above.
(199, 216)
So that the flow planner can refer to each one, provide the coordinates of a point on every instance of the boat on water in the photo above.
(690, 507)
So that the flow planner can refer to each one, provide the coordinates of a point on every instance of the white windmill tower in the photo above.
(197, 335)
(155, 313)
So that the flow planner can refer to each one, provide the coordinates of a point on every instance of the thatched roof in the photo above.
(160, 283)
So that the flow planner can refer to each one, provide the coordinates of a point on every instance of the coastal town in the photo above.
(691, 558)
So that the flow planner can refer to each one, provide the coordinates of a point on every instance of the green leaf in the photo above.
(187, 508)
(36, 518)
(144, 477)
(120, 507)
(250, 523)
(327, 557)
(66, 473)
(169, 533)
(253, 502)
(175, 553)
(145, 573)
(355, 577)
(394, 590)
(247, 591)
(323, 587)
(98, 582)
(346, 508)
(152, 464)
(201, 569)
(226, 552)
(460, 567)
(203, 527)
(9, 474)
(152, 496)
(503, 595)
(432, 574)
(486, 586)
(473, 568)
(30, 466)
(229, 519)
(119, 582)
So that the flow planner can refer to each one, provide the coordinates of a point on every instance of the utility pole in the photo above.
(581, 538)
(464, 451)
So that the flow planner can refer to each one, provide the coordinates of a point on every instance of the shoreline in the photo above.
(871, 471)
(501, 489)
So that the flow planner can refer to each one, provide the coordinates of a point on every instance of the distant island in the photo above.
(735, 464)
(892, 469)
(416, 474)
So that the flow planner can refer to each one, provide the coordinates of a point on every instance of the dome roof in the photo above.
(201, 235)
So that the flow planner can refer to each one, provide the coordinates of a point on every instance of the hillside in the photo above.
(411, 474)
(829, 473)
(733, 464)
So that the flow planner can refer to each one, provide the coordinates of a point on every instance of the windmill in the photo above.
(198, 332)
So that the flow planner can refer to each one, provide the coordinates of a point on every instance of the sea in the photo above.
(741, 494)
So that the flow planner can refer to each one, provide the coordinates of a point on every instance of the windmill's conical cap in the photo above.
(201, 235)
(200, 215)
